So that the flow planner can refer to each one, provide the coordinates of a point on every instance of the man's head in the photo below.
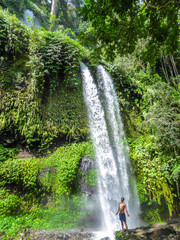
(122, 199)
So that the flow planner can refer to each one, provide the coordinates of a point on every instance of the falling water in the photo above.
(53, 7)
(32, 21)
(116, 178)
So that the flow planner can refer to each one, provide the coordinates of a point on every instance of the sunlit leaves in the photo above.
(119, 25)
(163, 116)
(14, 35)
(67, 160)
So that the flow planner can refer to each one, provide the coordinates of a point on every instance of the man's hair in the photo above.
(122, 199)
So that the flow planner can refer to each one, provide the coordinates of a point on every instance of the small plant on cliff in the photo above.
(91, 177)
(7, 153)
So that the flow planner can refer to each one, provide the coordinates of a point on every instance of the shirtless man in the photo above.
(122, 216)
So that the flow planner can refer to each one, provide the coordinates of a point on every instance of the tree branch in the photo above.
(132, 22)
(146, 4)
(157, 6)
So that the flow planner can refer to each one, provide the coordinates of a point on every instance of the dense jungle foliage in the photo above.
(42, 111)
(117, 27)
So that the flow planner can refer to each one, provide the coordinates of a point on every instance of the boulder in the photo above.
(161, 231)
(87, 164)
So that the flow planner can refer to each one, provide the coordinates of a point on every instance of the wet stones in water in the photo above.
(55, 235)
(105, 238)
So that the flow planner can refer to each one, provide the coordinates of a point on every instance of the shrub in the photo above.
(67, 160)
(7, 153)
(22, 173)
(10, 203)
(14, 36)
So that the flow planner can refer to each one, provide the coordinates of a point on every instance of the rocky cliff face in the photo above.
(87, 186)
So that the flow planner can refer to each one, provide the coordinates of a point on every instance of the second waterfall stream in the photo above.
(115, 174)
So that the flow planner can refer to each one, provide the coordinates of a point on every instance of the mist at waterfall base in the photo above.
(115, 174)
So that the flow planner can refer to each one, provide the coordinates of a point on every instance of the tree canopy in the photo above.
(117, 26)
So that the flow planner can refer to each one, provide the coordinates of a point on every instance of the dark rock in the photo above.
(51, 235)
(87, 163)
(92, 208)
(24, 153)
(60, 236)
(66, 236)
(55, 235)
(8, 139)
(162, 231)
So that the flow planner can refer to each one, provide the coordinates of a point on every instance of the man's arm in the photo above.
(126, 210)
(118, 210)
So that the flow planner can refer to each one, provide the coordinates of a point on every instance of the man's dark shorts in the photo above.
(122, 217)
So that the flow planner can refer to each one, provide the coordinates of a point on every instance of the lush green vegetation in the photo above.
(66, 160)
(6, 153)
(41, 103)
(44, 69)
(117, 27)
(42, 193)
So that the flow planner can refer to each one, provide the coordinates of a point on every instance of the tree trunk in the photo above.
(163, 64)
(176, 79)
(174, 66)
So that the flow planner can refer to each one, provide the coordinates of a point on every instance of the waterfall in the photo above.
(53, 7)
(29, 22)
(115, 174)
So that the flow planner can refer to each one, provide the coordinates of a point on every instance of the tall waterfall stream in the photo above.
(115, 174)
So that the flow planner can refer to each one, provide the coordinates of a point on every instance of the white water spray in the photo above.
(53, 7)
(32, 21)
(115, 178)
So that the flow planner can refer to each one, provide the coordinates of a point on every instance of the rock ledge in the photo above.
(161, 231)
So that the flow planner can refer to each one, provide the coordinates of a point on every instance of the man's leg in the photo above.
(126, 227)
(122, 226)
